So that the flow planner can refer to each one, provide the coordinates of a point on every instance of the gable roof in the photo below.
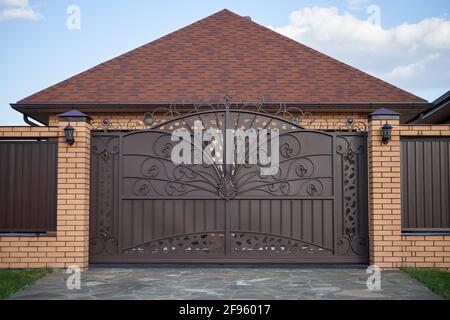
(223, 53)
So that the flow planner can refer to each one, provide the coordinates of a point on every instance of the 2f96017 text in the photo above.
(237, 309)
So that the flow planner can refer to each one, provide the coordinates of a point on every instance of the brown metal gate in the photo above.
(146, 209)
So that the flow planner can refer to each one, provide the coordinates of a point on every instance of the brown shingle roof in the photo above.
(223, 53)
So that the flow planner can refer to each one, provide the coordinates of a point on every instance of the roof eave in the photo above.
(140, 105)
(41, 111)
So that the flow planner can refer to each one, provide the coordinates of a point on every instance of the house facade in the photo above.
(95, 183)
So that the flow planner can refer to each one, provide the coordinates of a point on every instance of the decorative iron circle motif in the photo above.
(106, 122)
(151, 168)
(314, 187)
(141, 188)
(183, 171)
(304, 168)
(176, 188)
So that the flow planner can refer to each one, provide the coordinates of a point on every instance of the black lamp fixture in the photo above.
(72, 116)
(386, 133)
(386, 129)
(69, 134)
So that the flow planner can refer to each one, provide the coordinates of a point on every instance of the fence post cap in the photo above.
(384, 113)
(74, 116)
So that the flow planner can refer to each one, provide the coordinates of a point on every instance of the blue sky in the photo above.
(409, 48)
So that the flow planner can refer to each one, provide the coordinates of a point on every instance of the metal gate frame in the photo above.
(348, 196)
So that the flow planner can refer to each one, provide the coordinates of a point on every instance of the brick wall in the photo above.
(70, 244)
(20, 132)
(322, 120)
(388, 247)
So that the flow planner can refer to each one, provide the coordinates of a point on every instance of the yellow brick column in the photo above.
(73, 191)
(384, 191)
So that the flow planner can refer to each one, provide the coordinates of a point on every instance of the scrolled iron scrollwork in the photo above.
(158, 177)
(176, 188)
(106, 147)
(349, 146)
(108, 125)
(182, 171)
(282, 186)
(350, 125)
(355, 243)
(105, 242)
(297, 177)
(160, 116)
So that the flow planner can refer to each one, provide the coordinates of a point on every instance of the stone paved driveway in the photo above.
(226, 283)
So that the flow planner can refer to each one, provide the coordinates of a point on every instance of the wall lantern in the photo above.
(386, 133)
(69, 134)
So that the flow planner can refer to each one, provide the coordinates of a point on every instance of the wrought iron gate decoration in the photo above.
(146, 209)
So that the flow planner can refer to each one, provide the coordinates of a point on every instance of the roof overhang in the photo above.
(438, 113)
(41, 112)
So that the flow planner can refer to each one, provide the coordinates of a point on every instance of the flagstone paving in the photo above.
(210, 283)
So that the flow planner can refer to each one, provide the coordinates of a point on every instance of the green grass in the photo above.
(437, 280)
(12, 280)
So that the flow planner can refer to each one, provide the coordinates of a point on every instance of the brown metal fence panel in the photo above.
(425, 172)
(28, 186)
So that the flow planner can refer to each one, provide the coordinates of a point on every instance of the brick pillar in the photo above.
(73, 191)
(384, 191)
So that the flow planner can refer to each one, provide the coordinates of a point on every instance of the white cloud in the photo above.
(412, 69)
(18, 9)
(413, 56)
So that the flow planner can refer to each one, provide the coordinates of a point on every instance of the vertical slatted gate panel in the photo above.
(28, 186)
(425, 184)
(281, 227)
(173, 227)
